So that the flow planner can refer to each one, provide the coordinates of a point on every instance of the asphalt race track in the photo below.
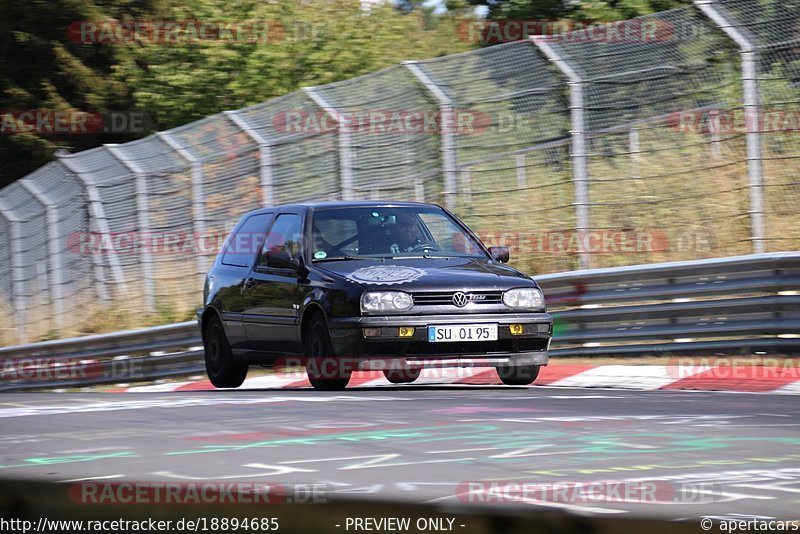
(710, 454)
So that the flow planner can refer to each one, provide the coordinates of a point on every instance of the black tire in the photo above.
(518, 375)
(222, 369)
(325, 372)
(401, 376)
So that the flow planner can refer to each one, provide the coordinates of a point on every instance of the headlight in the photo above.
(524, 298)
(385, 301)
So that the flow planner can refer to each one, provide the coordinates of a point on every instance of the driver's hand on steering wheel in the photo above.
(423, 245)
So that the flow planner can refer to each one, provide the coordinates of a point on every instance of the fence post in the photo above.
(198, 196)
(580, 173)
(264, 156)
(634, 149)
(55, 252)
(755, 179)
(98, 214)
(714, 129)
(143, 218)
(345, 141)
(17, 270)
(448, 142)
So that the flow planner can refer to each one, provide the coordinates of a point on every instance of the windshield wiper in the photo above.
(346, 258)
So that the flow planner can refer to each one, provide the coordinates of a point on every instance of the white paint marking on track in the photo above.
(789, 389)
(172, 402)
(265, 470)
(102, 477)
(643, 377)
(272, 381)
(158, 388)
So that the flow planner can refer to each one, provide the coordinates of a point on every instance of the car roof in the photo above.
(314, 205)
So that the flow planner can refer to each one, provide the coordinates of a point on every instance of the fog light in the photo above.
(372, 332)
(406, 331)
(516, 329)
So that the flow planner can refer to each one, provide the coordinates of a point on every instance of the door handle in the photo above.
(249, 283)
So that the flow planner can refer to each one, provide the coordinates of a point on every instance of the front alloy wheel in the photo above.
(325, 372)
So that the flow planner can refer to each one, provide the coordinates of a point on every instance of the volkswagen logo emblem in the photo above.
(460, 299)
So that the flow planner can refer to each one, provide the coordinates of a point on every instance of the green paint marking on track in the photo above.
(78, 458)
(452, 432)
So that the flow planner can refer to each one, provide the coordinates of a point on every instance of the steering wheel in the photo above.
(424, 247)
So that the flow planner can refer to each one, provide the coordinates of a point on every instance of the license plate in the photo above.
(462, 332)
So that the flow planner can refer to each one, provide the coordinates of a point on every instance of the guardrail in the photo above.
(741, 304)
(737, 305)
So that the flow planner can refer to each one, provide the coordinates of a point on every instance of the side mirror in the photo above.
(499, 253)
(280, 259)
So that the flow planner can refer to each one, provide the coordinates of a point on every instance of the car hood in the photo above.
(428, 274)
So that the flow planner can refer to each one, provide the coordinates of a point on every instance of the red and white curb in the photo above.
(638, 377)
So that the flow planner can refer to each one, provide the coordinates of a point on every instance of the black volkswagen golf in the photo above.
(342, 286)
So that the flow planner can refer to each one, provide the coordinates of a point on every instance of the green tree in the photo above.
(311, 42)
(41, 68)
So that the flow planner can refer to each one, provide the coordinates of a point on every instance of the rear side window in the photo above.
(244, 243)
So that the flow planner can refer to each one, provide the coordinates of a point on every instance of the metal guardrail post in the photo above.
(264, 156)
(345, 141)
(198, 195)
(55, 252)
(17, 274)
(143, 218)
(580, 173)
(98, 215)
(755, 178)
(446, 109)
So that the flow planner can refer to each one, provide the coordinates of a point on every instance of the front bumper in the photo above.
(528, 348)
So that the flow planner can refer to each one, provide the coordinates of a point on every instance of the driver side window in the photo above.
(447, 235)
(285, 238)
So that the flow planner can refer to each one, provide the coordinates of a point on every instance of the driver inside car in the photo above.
(405, 235)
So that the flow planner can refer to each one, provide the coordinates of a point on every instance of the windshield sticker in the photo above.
(320, 255)
(386, 275)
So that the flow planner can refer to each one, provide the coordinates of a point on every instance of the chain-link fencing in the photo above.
(665, 137)
(769, 37)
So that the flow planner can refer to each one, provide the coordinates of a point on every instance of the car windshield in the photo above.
(380, 232)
